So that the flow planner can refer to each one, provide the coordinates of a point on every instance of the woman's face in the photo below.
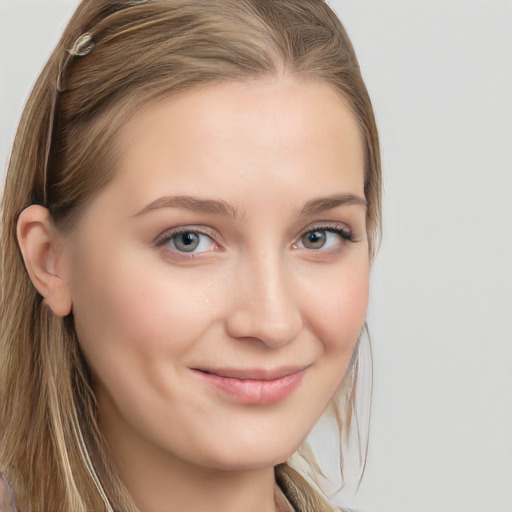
(220, 281)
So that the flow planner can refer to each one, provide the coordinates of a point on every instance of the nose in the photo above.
(264, 305)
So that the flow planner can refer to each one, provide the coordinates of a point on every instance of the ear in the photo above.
(42, 246)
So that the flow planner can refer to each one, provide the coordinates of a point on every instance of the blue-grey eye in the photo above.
(186, 242)
(190, 241)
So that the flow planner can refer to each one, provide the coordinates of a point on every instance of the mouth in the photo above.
(253, 386)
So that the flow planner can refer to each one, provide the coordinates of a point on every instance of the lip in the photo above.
(253, 386)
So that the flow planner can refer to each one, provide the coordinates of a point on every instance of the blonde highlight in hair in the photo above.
(135, 53)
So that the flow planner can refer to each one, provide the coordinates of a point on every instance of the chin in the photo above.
(253, 456)
(246, 463)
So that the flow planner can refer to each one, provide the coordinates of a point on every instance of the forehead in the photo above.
(300, 134)
(285, 99)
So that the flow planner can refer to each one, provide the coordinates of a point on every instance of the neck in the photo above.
(189, 489)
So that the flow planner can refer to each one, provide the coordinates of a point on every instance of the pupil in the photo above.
(188, 239)
(186, 242)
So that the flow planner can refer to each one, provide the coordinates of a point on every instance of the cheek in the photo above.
(340, 319)
(135, 328)
(338, 309)
(128, 317)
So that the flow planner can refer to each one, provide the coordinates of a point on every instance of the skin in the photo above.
(257, 295)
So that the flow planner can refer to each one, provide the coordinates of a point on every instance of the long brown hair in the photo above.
(114, 57)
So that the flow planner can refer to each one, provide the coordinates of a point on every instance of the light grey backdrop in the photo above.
(440, 75)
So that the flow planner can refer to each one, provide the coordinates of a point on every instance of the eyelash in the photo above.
(165, 238)
(339, 229)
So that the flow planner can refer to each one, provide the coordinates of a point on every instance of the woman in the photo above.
(194, 192)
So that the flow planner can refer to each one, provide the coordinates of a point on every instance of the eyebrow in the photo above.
(195, 204)
(220, 207)
(323, 204)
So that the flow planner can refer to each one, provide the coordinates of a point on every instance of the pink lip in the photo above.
(254, 386)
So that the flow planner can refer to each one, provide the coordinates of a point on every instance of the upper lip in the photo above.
(253, 373)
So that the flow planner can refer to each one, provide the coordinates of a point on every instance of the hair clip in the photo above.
(83, 45)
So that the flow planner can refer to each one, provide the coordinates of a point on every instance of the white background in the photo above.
(440, 75)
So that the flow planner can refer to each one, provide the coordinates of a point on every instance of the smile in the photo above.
(253, 386)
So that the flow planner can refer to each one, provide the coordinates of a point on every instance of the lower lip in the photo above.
(252, 391)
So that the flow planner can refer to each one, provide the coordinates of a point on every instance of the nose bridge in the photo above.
(266, 306)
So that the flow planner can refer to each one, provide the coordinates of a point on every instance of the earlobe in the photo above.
(41, 247)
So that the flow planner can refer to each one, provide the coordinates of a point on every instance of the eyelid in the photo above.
(327, 226)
